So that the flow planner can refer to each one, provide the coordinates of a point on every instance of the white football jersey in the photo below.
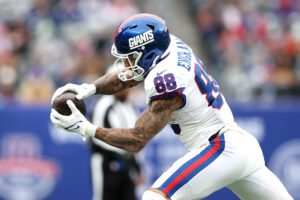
(204, 111)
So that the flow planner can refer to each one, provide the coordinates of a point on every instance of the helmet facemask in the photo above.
(126, 65)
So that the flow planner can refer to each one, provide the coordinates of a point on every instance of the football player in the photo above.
(179, 92)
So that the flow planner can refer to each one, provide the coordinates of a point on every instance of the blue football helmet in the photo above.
(139, 43)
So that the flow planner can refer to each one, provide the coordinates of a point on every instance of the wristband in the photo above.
(93, 87)
(90, 130)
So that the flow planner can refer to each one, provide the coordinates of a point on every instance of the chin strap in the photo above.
(152, 66)
(154, 63)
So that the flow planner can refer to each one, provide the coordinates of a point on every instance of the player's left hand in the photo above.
(75, 122)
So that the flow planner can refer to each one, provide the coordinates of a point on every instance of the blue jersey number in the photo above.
(208, 86)
(161, 83)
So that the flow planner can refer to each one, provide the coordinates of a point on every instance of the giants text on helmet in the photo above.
(141, 40)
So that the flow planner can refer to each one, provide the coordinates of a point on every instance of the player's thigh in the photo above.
(260, 185)
(202, 172)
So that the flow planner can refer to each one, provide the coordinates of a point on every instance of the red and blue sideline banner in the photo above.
(39, 161)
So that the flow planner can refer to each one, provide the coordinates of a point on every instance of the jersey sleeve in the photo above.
(165, 83)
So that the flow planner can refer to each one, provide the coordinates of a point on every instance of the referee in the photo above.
(113, 169)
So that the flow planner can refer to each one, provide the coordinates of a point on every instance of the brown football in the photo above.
(61, 106)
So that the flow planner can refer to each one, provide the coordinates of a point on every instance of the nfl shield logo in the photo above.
(24, 173)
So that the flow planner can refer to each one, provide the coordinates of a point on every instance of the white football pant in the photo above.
(233, 160)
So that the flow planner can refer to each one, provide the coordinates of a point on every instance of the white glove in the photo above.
(83, 91)
(75, 122)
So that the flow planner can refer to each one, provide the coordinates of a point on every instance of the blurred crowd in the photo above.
(252, 47)
(47, 43)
